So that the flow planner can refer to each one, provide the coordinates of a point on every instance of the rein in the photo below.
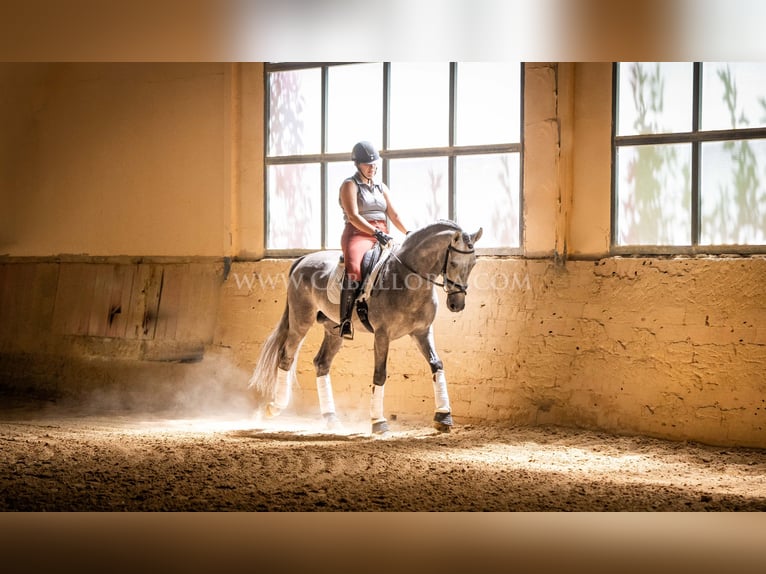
(447, 281)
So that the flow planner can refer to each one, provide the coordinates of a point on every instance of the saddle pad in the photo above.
(335, 283)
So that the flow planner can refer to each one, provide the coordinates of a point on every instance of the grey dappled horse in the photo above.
(403, 302)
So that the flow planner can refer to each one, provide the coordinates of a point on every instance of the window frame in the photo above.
(696, 137)
(450, 151)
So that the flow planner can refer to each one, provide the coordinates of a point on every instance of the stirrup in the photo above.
(346, 329)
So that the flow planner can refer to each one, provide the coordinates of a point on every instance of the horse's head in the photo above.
(461, 257)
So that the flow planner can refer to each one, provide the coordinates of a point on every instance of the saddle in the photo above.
(372, 261)
(369, 261)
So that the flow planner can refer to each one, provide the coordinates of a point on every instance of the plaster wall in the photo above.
(115, 159)
(669, 347)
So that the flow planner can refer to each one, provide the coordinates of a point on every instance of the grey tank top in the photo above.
(370, 201)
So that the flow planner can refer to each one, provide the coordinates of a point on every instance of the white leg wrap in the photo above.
(324, 390)
(441, 398)
(376, 404)
(282, 391)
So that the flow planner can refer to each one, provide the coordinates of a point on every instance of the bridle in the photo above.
(448, 283)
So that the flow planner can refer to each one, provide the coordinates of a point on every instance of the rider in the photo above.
(366, 204)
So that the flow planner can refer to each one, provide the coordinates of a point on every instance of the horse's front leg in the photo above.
(443, 411)
(331, 344)
(379, 423)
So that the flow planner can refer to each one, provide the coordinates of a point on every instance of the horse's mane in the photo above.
(415, 237)
(431, 228)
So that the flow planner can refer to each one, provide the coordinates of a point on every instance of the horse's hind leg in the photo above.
(442, 412)
(331, 344)
(299, 324)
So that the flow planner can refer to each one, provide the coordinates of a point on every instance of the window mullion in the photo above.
(615, 102)
(323, 161)
(266, 136)
(522, 84)
(695, 175)
(386, 115)
(452, 159)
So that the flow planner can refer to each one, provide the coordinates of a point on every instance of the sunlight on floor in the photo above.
(617, 467)
(263, 425)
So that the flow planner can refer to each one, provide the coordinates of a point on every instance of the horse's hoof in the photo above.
(272, 410)
(443, 422)
(331, 421)
(380, 427)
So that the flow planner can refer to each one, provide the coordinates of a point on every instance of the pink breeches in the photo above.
(355, 243)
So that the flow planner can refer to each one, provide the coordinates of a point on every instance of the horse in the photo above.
(402, 301)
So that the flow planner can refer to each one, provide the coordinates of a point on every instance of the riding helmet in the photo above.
(364, 152)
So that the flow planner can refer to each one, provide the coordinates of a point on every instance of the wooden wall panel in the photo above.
(108, 300)
(188, 303)
(173, 284)
(37, 311)
(15, 284)
(27, 295)
(170, 308)
(144, 301)
(119, 300)
(5, 308)
(74, 298)
(98, 319)
(198, 316)
(20, 281)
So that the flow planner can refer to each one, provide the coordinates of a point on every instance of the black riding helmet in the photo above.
(364, 152)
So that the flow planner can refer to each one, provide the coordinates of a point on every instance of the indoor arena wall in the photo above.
(133, 266)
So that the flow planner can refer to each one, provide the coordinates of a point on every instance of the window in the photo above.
(689, 156)
(449, 136)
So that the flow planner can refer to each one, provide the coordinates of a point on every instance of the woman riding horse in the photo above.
(366, 204)
(402, 302)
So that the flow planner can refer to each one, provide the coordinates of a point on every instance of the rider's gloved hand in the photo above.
(382, 238)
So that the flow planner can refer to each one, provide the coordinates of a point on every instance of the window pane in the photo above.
(419, 190)
(488, 103)
(419, 105)
(354, 105)
(336, 173)
(294, 205)
(733, 96)
(733, 193)
(655, 97)
(654, 195)
(295, 105)
(487, 188)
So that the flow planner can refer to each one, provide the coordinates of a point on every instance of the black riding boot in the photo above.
(347, 297)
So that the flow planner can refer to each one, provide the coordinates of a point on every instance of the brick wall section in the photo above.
(672, 348)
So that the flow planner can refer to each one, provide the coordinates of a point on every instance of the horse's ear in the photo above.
(476, 236)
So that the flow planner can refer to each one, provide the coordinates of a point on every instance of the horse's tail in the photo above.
(264, 378)
(263, 381)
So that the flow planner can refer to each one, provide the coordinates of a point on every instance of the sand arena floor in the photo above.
(61, 459)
